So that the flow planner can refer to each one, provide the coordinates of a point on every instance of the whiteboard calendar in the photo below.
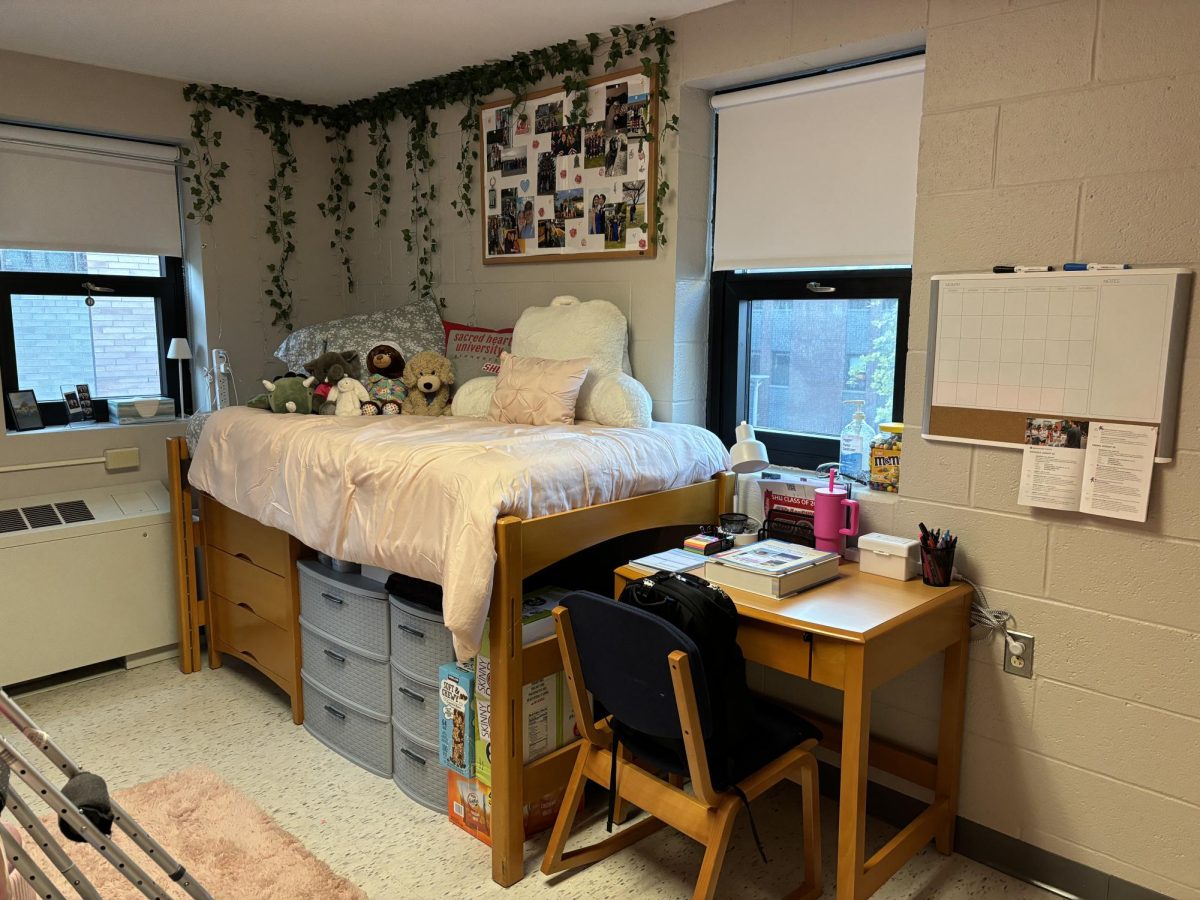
(1087, 345)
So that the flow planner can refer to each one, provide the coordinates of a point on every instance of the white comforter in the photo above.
(421, 495)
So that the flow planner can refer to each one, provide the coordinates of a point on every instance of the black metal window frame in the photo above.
(729, 346)
(170, 311)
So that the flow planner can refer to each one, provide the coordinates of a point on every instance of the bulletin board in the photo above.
(1004, 349)
(552, 192)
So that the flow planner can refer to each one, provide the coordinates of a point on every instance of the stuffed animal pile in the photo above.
(334, 385)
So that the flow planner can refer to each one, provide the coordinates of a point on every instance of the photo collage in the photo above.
(551, 187)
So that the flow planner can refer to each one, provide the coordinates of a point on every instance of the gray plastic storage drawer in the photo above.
(363, 737)
(420, 640)
(348, 608)
(346, 671)
(415, 707)
(418, 773)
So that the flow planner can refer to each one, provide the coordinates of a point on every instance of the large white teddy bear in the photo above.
(570, 328)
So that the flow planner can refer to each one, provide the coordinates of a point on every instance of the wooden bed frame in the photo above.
(524, 547)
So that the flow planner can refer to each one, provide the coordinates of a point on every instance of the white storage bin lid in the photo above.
(889, 545)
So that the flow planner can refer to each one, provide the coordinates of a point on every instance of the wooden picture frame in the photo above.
(595, 200)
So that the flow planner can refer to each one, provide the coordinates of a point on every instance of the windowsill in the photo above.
(174, 426)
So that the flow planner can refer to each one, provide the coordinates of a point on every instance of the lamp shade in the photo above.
(179, 349)
(749, 455)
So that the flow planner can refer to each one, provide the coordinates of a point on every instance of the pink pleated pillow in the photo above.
(533, 391)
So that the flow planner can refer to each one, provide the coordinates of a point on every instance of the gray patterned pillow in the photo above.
(415, 327)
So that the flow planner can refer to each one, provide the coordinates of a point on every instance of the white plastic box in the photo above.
(889, 556)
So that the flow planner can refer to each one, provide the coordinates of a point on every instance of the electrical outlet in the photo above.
(1019, 665)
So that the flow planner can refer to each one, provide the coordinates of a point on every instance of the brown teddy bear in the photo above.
(428, 377)
(385, 384)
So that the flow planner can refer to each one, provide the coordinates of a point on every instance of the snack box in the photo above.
(549, 722)
(537, 622)
(469, 806)
(456, 745)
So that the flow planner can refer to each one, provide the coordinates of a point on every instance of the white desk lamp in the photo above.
(749, 454)
(179, 351)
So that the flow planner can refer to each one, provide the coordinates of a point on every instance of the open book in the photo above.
(1100, 468)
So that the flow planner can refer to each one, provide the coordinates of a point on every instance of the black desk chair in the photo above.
(649, 675)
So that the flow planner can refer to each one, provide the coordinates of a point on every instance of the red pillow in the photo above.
(471, 348)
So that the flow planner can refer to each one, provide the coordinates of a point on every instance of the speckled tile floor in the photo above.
(138, 725)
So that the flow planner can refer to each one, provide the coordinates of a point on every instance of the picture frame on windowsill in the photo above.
(24, 410)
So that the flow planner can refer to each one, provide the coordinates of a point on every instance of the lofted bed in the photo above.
(599, 507)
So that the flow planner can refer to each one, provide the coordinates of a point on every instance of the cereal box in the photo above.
(456, 748)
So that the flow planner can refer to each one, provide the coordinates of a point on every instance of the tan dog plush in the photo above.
(428, 377)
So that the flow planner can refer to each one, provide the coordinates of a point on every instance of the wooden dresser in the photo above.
(254, 597)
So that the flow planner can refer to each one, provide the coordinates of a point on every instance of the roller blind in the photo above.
(819, 171)
(67, 191)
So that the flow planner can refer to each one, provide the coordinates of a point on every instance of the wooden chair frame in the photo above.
(705, 815)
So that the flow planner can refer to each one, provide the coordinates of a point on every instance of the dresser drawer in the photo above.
(251, 637)
(415, 708)
(346, 671)
(346, 607)
(243, 537)
(265, 594)
(421, 642)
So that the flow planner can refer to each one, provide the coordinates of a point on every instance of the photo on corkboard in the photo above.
(547, 177)
(568, 204)
(493, 157)
(616, 157)
(552, 234)
(595, 143)
(1071, 434)
(548, 117)
(615, 225)
(633, 193)
(596, 213)
(514, 161)
(635, 116)
(565, 140)
(615, 98)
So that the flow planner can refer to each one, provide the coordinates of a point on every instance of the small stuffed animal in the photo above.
(291, 394)
(329, 368)
(428, 377)
(348, 396)
(385, 384)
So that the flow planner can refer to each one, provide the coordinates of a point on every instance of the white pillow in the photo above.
(474, 398)
(615, 399)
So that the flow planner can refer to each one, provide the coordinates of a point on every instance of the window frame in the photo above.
(170, 314)
(731, 293)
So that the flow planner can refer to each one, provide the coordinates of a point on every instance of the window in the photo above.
(812, 259)
(825, 349)
(91, 273)
(51, 337)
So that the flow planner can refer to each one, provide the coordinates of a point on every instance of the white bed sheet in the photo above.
(421, 495)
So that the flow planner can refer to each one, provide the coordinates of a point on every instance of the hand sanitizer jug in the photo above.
(856, 437)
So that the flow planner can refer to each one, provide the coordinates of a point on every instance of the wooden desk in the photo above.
(854, 634)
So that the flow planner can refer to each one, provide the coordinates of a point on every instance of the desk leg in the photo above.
(852, 812)
(950, 734)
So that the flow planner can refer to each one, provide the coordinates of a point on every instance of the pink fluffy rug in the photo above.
(232, 846)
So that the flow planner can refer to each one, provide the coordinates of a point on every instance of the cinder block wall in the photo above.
(1058, 131)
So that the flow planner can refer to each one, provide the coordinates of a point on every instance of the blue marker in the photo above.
(1095, 267)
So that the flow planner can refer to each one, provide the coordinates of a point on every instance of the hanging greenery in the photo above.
(569, 61)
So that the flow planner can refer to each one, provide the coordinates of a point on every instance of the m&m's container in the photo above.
(885, 451)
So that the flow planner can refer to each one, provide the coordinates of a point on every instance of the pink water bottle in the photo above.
(829, 516)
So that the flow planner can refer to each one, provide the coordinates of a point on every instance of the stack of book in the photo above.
(772, 568)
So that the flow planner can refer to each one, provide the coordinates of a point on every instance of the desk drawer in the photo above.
(265, 593)
(828, 661)
(243, 537)
(253, 638)
(785, 649)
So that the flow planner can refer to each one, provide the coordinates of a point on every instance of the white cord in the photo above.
(994, 620)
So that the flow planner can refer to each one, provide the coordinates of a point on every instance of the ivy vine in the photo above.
(570, 62)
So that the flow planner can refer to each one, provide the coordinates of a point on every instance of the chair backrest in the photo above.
(623, 656)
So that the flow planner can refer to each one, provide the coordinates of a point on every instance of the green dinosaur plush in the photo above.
(290, 395)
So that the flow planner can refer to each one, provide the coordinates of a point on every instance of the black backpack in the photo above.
(704, 613)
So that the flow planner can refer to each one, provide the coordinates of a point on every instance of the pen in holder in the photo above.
(937, 556)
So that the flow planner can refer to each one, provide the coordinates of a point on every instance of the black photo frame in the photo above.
(24, 409)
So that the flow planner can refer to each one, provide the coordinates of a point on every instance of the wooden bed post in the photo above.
(184, 531)
(508, 760)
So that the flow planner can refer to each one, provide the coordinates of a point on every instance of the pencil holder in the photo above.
(937, 565)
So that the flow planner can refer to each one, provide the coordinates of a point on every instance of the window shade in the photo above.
(819, 171)
(67, 191)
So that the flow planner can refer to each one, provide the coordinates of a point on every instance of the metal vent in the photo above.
(42, 516)
(74, 511)
(10, 520)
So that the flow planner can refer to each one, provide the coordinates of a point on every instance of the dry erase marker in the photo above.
(1020, 270)
(1095, 267)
